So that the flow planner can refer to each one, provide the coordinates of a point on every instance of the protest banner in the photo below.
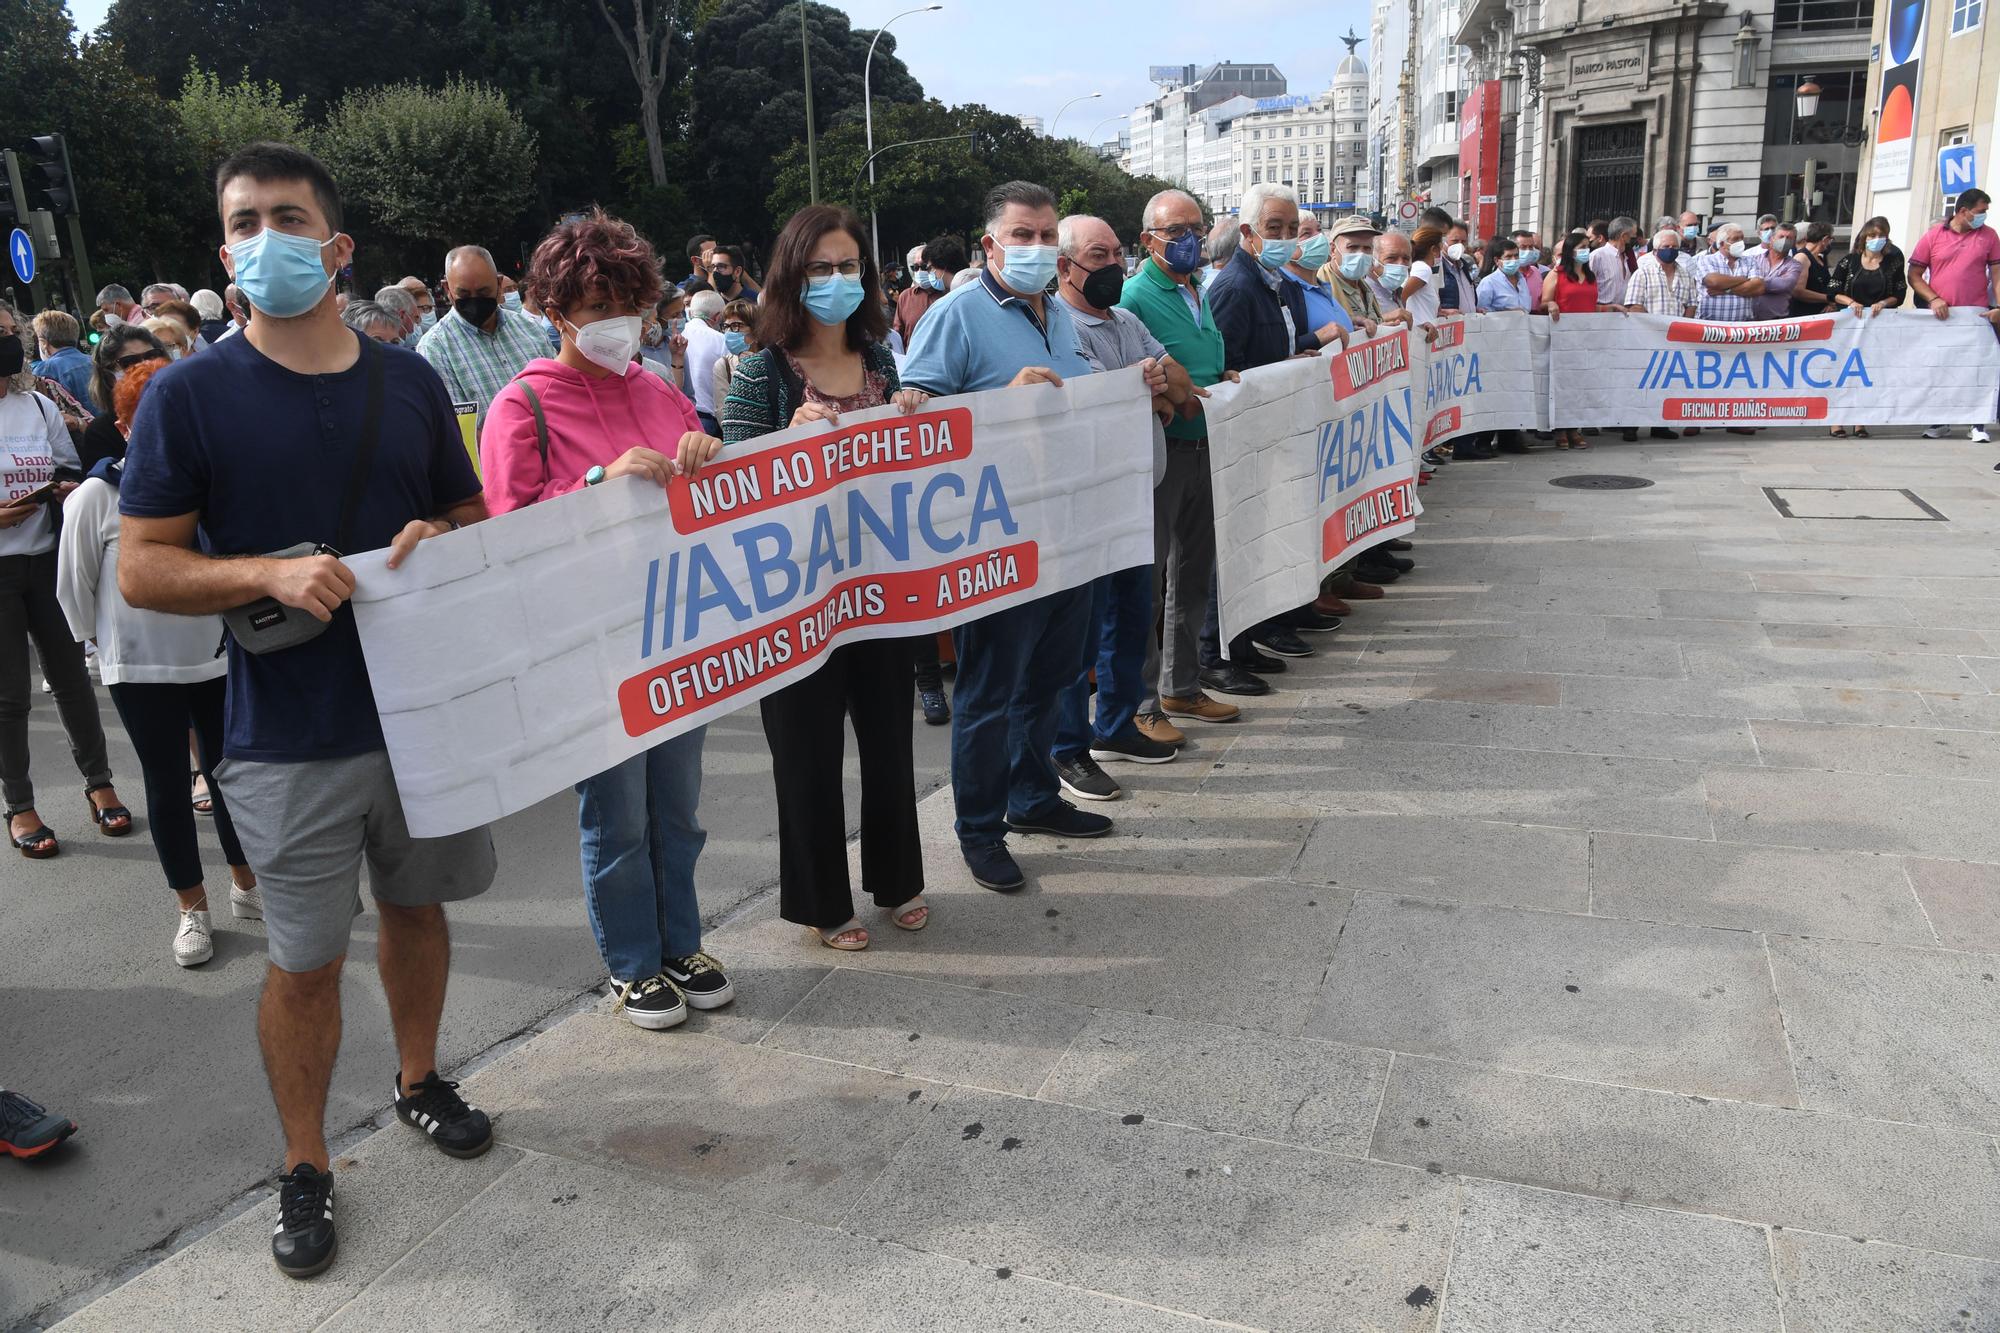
(523, 654)
(1484, 373)
(1312, 461)
(1902, 367)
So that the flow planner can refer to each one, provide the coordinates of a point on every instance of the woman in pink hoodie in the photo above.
(587, 415)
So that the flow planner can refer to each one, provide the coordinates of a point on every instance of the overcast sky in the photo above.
(1029, 57)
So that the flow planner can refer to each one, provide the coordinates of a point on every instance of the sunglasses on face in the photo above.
(138, 359)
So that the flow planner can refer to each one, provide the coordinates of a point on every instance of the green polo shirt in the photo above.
(1191, 339)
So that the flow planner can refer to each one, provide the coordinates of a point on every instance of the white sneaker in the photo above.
(194, 942)
(1938, 433)
(246, 903)
(1978, 435)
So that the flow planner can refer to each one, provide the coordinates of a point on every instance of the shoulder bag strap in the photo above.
(364, 455)
(541, 423)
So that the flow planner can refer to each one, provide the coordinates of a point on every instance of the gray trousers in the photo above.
(1183, 561)
(28, 610)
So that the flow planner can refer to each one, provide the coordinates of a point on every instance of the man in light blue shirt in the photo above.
(1004, 330)
(1503, 288)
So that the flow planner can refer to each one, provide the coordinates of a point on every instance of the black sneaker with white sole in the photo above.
(303, 1242)
(434, 1107)
(701, 980)
(1083, 779)
(653, 1003)
(1133, 747)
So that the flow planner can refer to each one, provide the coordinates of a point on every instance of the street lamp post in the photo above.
(1066, 106)
(812, 144)
(868, 128)
(1089, 140)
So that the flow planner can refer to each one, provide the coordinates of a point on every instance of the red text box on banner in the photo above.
(1369, 363)
(1368, 520)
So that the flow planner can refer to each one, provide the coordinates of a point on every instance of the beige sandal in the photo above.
(834, 936)
(915, 907)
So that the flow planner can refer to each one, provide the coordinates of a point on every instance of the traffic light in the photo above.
(48, 174)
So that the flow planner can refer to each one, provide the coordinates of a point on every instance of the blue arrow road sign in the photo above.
(22, 251)
(1957, 169)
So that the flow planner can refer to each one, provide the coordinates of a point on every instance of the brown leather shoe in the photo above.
(1363, 592)
(1155, 727)
(1199, 708)
(1331, 606)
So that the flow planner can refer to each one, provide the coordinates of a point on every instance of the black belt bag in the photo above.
(267, 625)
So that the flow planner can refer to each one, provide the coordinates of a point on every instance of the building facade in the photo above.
(1934, 92)
(1605, 108)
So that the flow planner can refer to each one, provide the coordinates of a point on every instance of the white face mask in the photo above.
(1456, 251)
(610, 343)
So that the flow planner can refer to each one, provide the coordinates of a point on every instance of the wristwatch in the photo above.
(592, 477)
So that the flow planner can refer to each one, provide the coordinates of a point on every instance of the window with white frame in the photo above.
(1966, 15)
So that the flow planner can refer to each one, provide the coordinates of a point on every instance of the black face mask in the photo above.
(12, 356)
(475, 310)
(1102, 287)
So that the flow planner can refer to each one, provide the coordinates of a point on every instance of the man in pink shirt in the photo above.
(1955, 264)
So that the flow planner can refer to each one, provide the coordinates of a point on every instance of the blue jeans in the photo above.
(640, 842)
(1121, 613)
(1012, 669)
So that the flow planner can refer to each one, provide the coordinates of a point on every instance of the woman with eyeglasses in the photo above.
(739, 335)
(38, 469)
(823, 327)
(119, 351)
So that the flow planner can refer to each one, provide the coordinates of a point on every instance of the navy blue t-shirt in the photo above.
(264, 455)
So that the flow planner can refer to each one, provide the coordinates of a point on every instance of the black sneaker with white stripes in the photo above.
(434, 1107)
(303, 1243)
(701, 980)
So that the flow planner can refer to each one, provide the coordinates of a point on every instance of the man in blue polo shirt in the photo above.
(1012, 665)
(253, 447)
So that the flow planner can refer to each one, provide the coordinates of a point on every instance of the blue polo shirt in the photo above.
(982, 335)
(1321, 308)
(263, 455)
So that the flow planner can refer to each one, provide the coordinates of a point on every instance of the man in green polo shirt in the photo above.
(1163, 295)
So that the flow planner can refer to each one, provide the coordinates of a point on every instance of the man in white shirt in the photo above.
(705, 346)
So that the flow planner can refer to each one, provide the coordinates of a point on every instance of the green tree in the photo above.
(425, 170)
(749, 102)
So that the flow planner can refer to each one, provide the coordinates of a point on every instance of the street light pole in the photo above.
(1090, 137)
(868, 128)
(812, 143)
(1066, 106)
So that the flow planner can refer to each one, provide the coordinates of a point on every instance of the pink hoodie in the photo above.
(592, 421)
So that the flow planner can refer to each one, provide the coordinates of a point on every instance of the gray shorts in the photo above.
(305, 828)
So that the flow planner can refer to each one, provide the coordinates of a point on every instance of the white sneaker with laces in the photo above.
(1978, 435)
(1938, 433)
(248, 904)
(194, 942)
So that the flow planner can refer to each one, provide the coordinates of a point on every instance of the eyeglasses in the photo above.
(735, 326)
(1174, 231)
(139, 359)
(846, 268)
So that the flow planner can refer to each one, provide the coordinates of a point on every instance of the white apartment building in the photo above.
(1384, 180)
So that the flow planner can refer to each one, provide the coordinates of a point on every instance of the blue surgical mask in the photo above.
(279, 273)
(1583, 254)
(1510, 266)
(512, 300)
(426, 320)
(1183, 255)
(1978, 219)
(1876, 244)
(739, 343)
(1667, 254)
(1395, 275)
(1276, 253)
(1028, 269)
(1314, 251)
(833, 298)
(1530, 255)
(1355, 267)
(1765, 235)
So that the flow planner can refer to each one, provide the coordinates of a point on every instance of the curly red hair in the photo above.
(597, 252)
(125, 399)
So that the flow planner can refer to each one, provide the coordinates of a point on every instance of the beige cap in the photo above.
(1352, 224)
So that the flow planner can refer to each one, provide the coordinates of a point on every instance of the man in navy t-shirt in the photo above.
(249, 449)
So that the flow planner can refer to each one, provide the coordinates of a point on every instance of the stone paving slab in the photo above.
(1927, 1188)
(1428, 857)
(1897, 751)
(1219, 1226)
(1833, 1284)
(1526, 1261)
(1312, 1093)
(1861, 812)
(1901, 1034)
(1623, 1002)
(1962, 901)
(1748, 887)
(633, 1254)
